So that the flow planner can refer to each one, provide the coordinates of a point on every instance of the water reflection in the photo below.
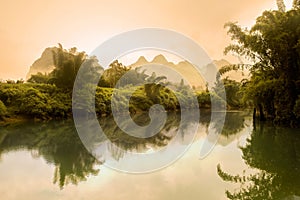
(131, 143)
(126, 153)
(275, 153)
(59, 144)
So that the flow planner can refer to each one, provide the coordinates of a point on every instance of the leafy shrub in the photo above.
(204, 99)
(103, 100)
(3, 110)
(36, 100)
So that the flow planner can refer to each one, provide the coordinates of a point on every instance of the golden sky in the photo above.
(28, 27)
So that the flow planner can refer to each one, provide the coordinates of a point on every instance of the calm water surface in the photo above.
(48, 161)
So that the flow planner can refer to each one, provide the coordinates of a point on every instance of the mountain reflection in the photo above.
(275, 152)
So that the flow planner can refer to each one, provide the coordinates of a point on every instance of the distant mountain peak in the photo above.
(185, 68)
(159, 59)
(44, 64)
(142, 60)
(221, 63)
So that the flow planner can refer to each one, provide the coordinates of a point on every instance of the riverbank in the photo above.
(42, 102)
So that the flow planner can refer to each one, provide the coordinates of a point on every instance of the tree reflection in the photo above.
(275, 152)
(127, 142)
(58, 143)
(234, 123)
(226, 130)
(122, 142)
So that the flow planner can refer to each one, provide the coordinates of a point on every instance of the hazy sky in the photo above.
(28, 27)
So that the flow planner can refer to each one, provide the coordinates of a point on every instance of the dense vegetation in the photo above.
(273, 45)
(46, 101)
(35, 100)
(48, 96)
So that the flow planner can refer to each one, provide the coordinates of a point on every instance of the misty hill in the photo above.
(44, 64)
(173, 72)
(234, 75)
(184, 70)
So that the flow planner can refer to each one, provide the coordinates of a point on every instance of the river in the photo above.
(48, 161)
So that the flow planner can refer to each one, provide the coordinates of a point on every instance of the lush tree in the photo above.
(203, 99)
(230, 91)
(67, 64)
(273, 46)
(113, 74)
(153, 86)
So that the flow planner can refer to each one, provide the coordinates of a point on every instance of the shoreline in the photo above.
(17, 119)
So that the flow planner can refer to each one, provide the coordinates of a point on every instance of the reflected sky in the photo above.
(25, 175)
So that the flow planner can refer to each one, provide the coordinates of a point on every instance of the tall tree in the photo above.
(113, 74)
(273, 45)
(67, 64)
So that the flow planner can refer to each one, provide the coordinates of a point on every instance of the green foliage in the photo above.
(67, 64)
(141, 101)
(39, 78)
(233, 92)
(113, 74)
(227, 68)
(124, 76)
(41, 101)
(45, 101)
(3, 110)
(204, 99)
(34, 103)
(48, 96)
(9, 94)
(272, 44)
(103, 101)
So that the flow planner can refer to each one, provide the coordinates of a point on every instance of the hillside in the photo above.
(44, 64)
(160, 65)
(184, 69)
